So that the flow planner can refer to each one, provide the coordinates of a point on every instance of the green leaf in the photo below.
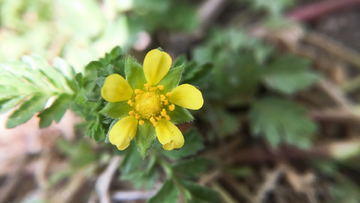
(290, 74)
(116, 110)
(145, 137)
(56, 111)
(167, 194)
(191, 167)
(100, 81)
(26, 111)
(198, 73)
(7, 104)
(131, 161)
(179, 115)
(95, 130)
(274, 7)
(281, 120)
(181, 59)
(200, 194)
(79, 153)
(79, 80)
(172, 78)
(134, 73)
(143, 174)
(64, 68)
(193, 144)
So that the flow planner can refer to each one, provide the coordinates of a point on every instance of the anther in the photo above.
(130, 102)
(137, 97)
(158, 118)
(167, 117)
(168, 94)
(162, 97)
(152, 88)
(131, 113)
(148, 96)
(172, 107)
(137, 116)
(147, 85)
(153, 121)
(137, 91)
(166, 102)
(161, 87)
(138, 107)
(141, 122)
(163, 112)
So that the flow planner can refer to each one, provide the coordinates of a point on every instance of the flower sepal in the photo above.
(145, 137)
(134, 73)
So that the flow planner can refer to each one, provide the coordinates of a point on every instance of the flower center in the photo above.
(149, 104)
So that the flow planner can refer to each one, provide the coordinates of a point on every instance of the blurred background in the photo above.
(280, 79)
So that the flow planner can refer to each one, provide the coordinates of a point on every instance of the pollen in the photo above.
(161, 87)
(153, 121)
(141, 122)
(131, 113)
(162, 97)
(137, 116)
(137, 97)
(167, 117)
(152, 89)
(147, 85)
(172, 107)
(137, 91)
(166, 102)
(130, 102)
(168, 94)
(163, 112)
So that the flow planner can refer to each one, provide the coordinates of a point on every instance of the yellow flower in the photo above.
(153, 102)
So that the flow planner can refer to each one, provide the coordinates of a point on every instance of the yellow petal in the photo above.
(169, 135)
(187, 96)
(123, 132)
(116, 89)
(156, 65)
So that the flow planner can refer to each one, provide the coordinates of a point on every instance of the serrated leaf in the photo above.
(56, 111)
(201, 194)
(179, 115)
(193, 144)
(9, 103)
(280, 120)
(290, 74)
(145, 137)
(26, 111)
(191, 167)
(167, 194)
(172, 78)
(116, 110)
(134, 73)
(95, 130)
(63, 67)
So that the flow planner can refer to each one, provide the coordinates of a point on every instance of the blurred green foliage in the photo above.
(241, 78)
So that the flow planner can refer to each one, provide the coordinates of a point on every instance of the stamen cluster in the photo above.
(150, 104)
